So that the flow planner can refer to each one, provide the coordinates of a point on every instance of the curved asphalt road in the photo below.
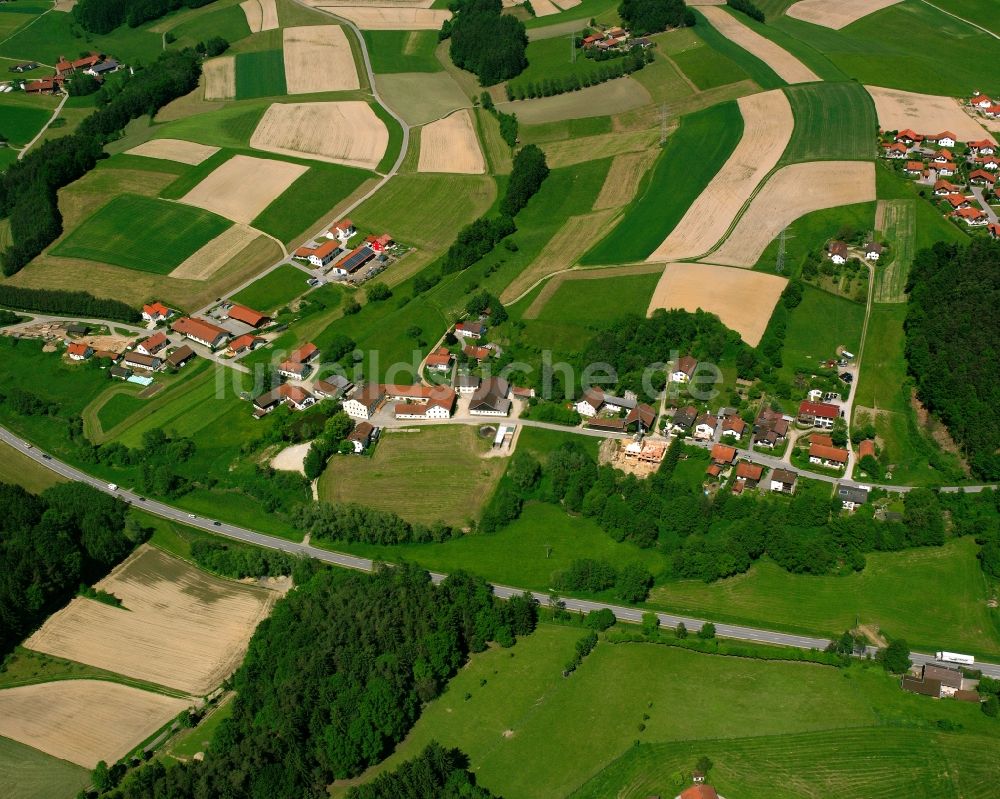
(343, 560)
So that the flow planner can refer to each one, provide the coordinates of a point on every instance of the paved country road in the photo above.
(344, 560)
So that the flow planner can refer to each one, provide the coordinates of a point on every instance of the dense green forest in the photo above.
(437, 773)
(49, 545)
(335, 678)
(952, 325)
(485, 41)
(652, 16)
(102, 16)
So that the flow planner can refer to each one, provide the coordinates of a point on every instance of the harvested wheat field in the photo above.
(836, 15)
(924, 113)
(180, 627)
(787, 66)
(262, 15)
(84, 721)
(184, 152)
(451, 145)
(791, 192)
(340, 132)
(566, 5)
(205, 262)
(244, 186)
(544, 8)
(622, 180)
(220, 78)
(743, 300)
(318, 58)
(767, 127)
(605, 145)
(404, 18)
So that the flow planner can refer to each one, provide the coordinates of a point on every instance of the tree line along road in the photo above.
(625, 614)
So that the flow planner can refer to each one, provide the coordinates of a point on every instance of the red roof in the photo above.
(479, 353)
(828, 453)
(866, 448)
(296, 394)
(294, 367)
(749, 471)
(439, 359)
(154, 342)
(914, 166)
(304, 353)
(247, 315)
(243, 342)
(198, 329)
(76, 348)
(700, 792)
(969, 213)
(945, 134)
(824, 440)
(906, 133)
(979, 145)
(723, 454)
(824, 410)
(687, 364)
(156, 309)
(989, 177)
(343, 224)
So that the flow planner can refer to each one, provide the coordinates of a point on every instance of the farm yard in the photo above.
(743, 300)
(428, 475)
(178, 626)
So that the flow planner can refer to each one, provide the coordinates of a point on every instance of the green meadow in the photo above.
(808, 343)
(403, 51)
(833, 121)
(274, 290)
(260, 74)
(26, 773)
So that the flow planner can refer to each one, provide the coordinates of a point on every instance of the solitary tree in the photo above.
(896, 657)
(707, 631)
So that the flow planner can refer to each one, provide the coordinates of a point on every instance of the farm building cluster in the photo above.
(94, 65)
(612, 39)
(344, 257)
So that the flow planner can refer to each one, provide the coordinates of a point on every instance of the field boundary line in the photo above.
(961, 19)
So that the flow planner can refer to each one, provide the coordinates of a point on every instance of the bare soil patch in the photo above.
(605, 145)
(787, 66)
(318, 58)
(205, 262)
(613, 97)
(791, 192)
(743, 300)
(544, 8)
(340, 132)
(450, 145)
(836, 15)
(767, 127)
(184, 152)
(84, 721)
(924, 113)
(577, 235)
(243, 186)
(403, 18)
(622, 181)
(220, 78)
(292, 459)
(179, 627)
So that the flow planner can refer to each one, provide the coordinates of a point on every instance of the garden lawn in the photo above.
(26, 773)
(436, 474)
(894, 591)
(820, 323)
(143, 233)
(260, 74)
(274, 290)
(403, 51)
(544, 540)
(693, 156)
(833, 122)
(17, 468)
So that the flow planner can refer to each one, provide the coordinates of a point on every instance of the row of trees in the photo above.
(352, 522)
(951, 326)
(485, 41)
(67, 303)
(28, 187)
(49, 545)
(239, 561)
(653, 16)
(635, 60)
(335, 678)
(100, 16)
(747, 7)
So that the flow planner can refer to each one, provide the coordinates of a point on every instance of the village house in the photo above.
(201, 331)
(818, 414)
(684, 370)
(180, 356)
(704, 427)
(682, 419)
(245, 343)
(828, 456)
(914, 168)
(895, 150)
(907, 136)
(439, 360)
(353, 261)
(65, 68)
(990, 162)
(747, 476)
(945, 169)
(851, 497)
(595, 401)
(475, 352)
(473, 330)
(104, 68)
(980, 100)
(421, 402)
(136, 360)
(994, 230)
(120, 372)
(973, 217)
(699, 791)
(641, 418)
(320, 255)
(306, 353)
(153, 344)
(837, 252)
(332, 387)
(79, 352)
(294, 370)
(466, 384)
(980, 177)
(723, 455)
(361, 436)
(943, 188)
(611, 424)
(936, 681)
(365, 401)
(783, 481)
(982, 147)
(943, 156)
(944, 139)
(44, 85)
(873, 251)
(296, 397)
(379, 244)
(866, 448)
(957, 201)
(491, 398)
(770, 428)
(342, 230)
(733, 427)
(247, 316)
(156, 312)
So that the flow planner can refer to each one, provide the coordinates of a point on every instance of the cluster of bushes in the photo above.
(100, 16)
(27, 403)
(952, 318)
(333, 439)
(70, 534)
(582, 648)
(66, 303)
(653, 16)
(212, 47)
(238, 561)
(631, 583)
(8, 317)
(508, 122)
(28, 187)
(773, 340)
(334, 679)
(715, 646)
(747, 7)
(480, 236)
(518, 483)
(631, 62)
(435, 772)
(552, 412)
(485, 41)
(157, 457)
(353, 522)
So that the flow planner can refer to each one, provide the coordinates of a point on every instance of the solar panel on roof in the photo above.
(357, 260)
